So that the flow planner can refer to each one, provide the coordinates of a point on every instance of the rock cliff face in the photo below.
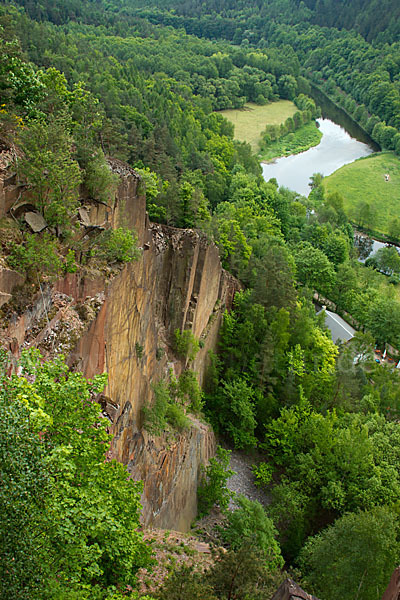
(125, 327)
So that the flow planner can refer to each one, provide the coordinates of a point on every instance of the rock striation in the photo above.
(103, 322)
(177, 284)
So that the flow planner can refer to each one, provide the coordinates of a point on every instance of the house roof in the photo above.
(340, 330)
(393, 589)
(289, 590)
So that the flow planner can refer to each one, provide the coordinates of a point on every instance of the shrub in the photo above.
(37, 255)
(100, 181)
(185, 344)
(213, 487)
(189, 390)
(160, 353)
(117, 245)
(55, 540)
(250, 524)
(263, 474)
(243, 574)
(69, 262)
(155, 415)
(165, 410)
(176, 417)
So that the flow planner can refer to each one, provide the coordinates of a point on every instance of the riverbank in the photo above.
(250, 121)
(299, 141)
(337, 113)
(370, 187)
(376, 236)
(336, 149)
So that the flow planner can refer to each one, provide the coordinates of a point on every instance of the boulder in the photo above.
(35, 221)
(4, 298)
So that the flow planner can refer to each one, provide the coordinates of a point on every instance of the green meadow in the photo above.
(362, 183)
(250, 121)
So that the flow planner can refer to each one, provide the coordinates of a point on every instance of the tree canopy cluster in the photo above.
(143, 82)
(69, 517)
(351, 51)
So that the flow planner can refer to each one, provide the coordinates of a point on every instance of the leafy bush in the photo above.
(176, 417)
(213, 487)
(185, 344)
(37, 255)
(250, 524)
(139, 350)
(233, 575)
(68, 517)
(100, 181)
(117, 245)
(263, 474)
(165, 410)
(189, 390)
(69, 262)
(244, 574)
(160, 352)
(155, 421)
(185, 582)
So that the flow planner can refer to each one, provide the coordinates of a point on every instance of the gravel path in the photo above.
(243, 480)
(240, 483)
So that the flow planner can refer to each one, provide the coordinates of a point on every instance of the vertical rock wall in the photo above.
(125, 325)
(177, 283)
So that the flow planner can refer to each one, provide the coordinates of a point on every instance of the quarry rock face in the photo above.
(9, 190)
(9, 280)
(125, 325)
(177, 284)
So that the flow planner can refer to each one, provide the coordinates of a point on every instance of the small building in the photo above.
(340, 330)
(289, 590)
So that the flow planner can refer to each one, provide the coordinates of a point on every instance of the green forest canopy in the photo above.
(126, 79)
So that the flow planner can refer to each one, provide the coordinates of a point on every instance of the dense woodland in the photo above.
(143, 81)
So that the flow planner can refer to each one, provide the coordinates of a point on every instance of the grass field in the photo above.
(293, 143)
(250, 121)
(364, 181)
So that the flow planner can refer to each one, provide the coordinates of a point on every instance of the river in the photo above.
(336, 148)
(343, 141)
(377, 245)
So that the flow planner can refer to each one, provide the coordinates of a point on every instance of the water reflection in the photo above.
(337, 148)
(376, 245)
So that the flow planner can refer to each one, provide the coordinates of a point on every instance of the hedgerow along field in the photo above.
(364, 181)
(250, 121)
(292, 143)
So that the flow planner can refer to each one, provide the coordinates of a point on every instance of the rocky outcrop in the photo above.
(125, 325)
(177, 284)
(9, 280)
(9, 189)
